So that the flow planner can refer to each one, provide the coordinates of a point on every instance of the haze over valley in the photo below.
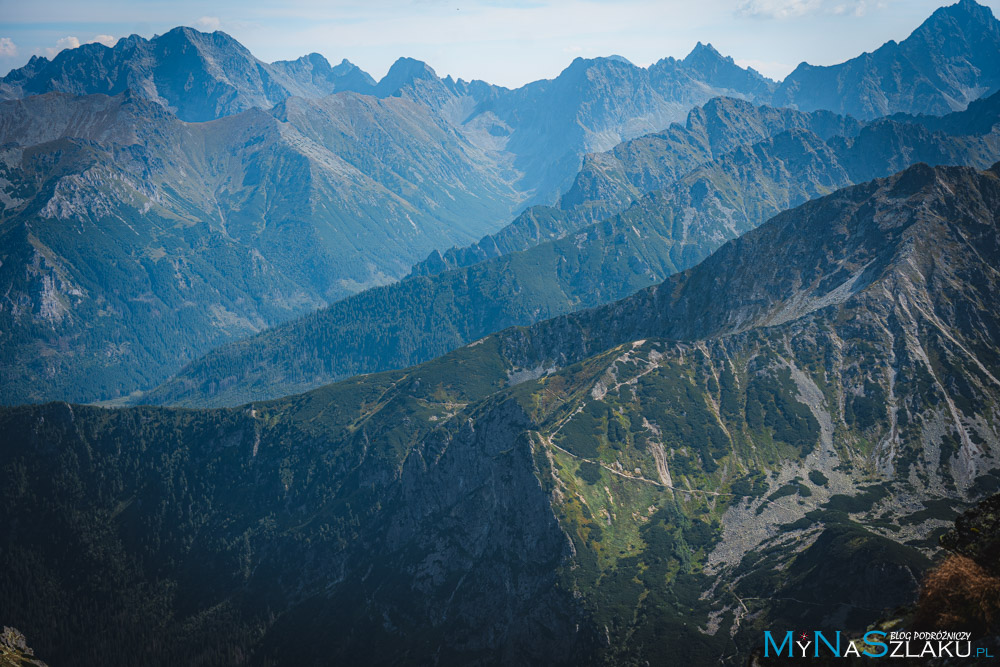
(623, 367)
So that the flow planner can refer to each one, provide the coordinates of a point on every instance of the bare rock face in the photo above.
(114, 210)
(197, 76)
(765, 440)
(976, 534)
(709, 188)
(947, 62)
(14, 650)
(183, 186)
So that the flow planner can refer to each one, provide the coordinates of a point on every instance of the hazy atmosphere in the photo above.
(568, 334)
(506, 43)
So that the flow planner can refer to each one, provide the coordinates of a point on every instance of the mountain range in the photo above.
(543, 128)
(164, 196)
(115, 212)
(210, 231)
(663, 231)
(767, 439)
(947, 62)
(626, 367)
(195, 75)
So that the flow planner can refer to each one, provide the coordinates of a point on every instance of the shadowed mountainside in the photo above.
(656, 479)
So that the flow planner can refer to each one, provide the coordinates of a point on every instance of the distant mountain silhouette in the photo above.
(198, 76)
(950, 60)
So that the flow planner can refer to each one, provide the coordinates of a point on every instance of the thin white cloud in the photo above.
(7, 47)
(72, 42)
(69, 42)
(208, 23)
(777, 9)
(785, 9)
(858, 7)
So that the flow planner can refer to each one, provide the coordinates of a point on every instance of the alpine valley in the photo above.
(627, 367)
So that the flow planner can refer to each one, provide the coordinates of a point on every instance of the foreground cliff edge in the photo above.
(774, 438)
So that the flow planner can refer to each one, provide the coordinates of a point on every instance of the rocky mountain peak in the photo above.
(214, 41)
(955, 29)
(582, 66)
(196, 75)
(964, 10)
(404, 72)
(621, 59)
(945, 63)
(710, 66)
(704, 51)
(318, 61)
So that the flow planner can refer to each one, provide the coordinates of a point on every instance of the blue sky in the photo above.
(508, 43)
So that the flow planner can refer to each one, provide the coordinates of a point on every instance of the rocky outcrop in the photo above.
(14, 650)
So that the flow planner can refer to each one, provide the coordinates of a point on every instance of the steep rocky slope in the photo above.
(245, 221)
(542, 128)
(14, 650)
(652, 481)
(609, 182)
(947, 62)
(133, 241)
(198, 76)
(663, 232)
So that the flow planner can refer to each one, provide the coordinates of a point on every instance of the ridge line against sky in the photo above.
(506, 43)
